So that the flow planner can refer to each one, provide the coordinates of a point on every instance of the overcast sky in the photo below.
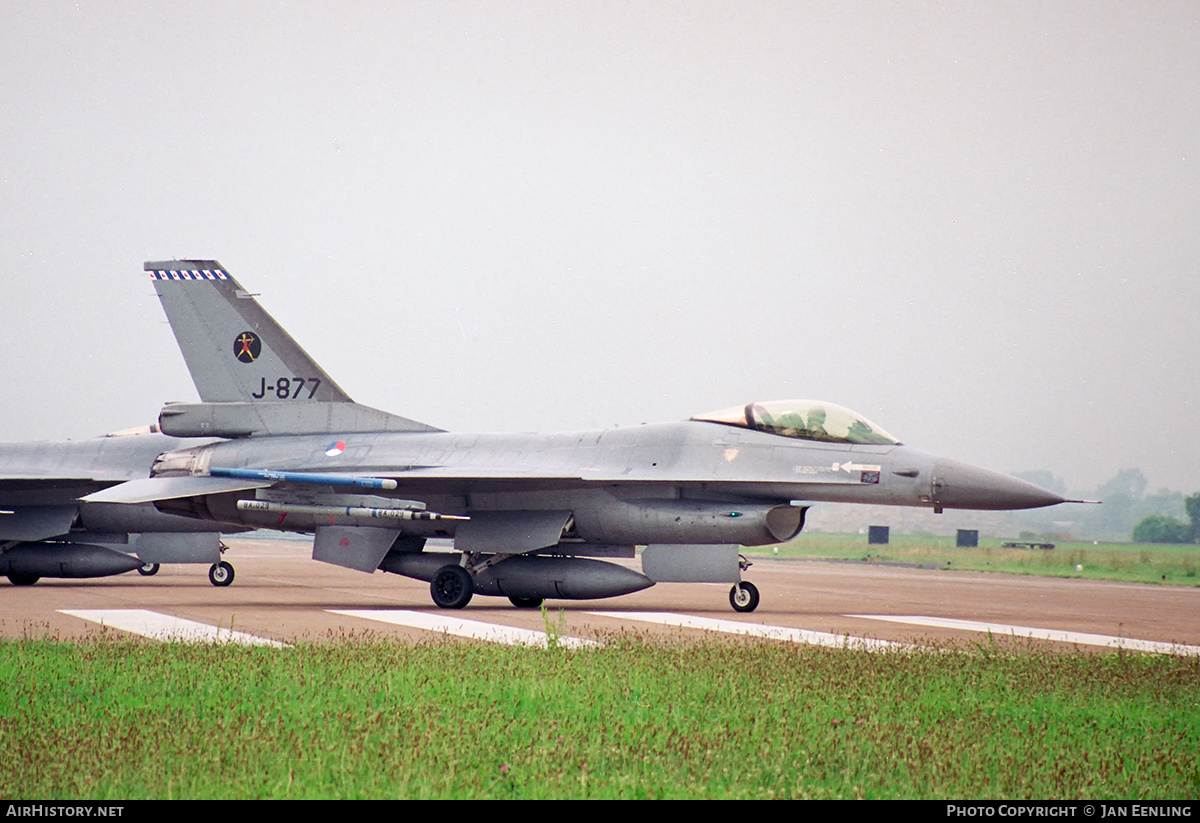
(974, 223)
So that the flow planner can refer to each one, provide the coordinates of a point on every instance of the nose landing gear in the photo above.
(220, 574)
(744, 595)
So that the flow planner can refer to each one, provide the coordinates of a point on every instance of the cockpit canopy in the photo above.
(805, 420)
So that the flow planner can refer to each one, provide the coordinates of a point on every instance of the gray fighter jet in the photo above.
(47, 531)
(528, 514)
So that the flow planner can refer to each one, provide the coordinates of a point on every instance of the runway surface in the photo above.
(281, 596)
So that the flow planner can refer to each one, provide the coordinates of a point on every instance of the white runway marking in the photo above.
(1080, 638)
(837, 641)
(460, 627)
(165, 627)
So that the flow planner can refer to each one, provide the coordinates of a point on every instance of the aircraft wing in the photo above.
(73, 468)
(20, 478)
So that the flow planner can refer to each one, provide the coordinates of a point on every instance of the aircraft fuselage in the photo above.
(668, 482)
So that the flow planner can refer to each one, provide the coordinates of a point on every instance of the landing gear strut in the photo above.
(221, 573)
(743, 596)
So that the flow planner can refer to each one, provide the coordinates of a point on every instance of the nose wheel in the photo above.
(220, 574)
(744, 597)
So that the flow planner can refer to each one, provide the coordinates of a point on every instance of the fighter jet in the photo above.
(528, 515)
(47, 531)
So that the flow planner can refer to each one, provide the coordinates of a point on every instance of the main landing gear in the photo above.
(452, 587)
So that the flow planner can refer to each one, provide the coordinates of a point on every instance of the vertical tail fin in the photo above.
(234, 350)
(253, 378)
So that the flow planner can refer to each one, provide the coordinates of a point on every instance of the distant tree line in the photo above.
(1126, 508)
(1160, 528)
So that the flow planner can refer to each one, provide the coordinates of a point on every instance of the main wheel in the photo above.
(148, 569)
(452, 587)
(23, 578)
(744, 597)
(220, 574)
(526, 602)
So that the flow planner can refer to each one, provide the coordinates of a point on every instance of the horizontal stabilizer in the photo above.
(151, 489)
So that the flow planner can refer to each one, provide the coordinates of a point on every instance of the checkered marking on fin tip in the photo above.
(190, 274)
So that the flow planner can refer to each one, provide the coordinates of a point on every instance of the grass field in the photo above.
(123, 720)
(1174, 565)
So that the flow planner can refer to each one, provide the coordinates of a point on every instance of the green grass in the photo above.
(122, 720)
(1150, 563)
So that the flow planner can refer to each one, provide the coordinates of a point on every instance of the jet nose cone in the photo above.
(963, 486)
